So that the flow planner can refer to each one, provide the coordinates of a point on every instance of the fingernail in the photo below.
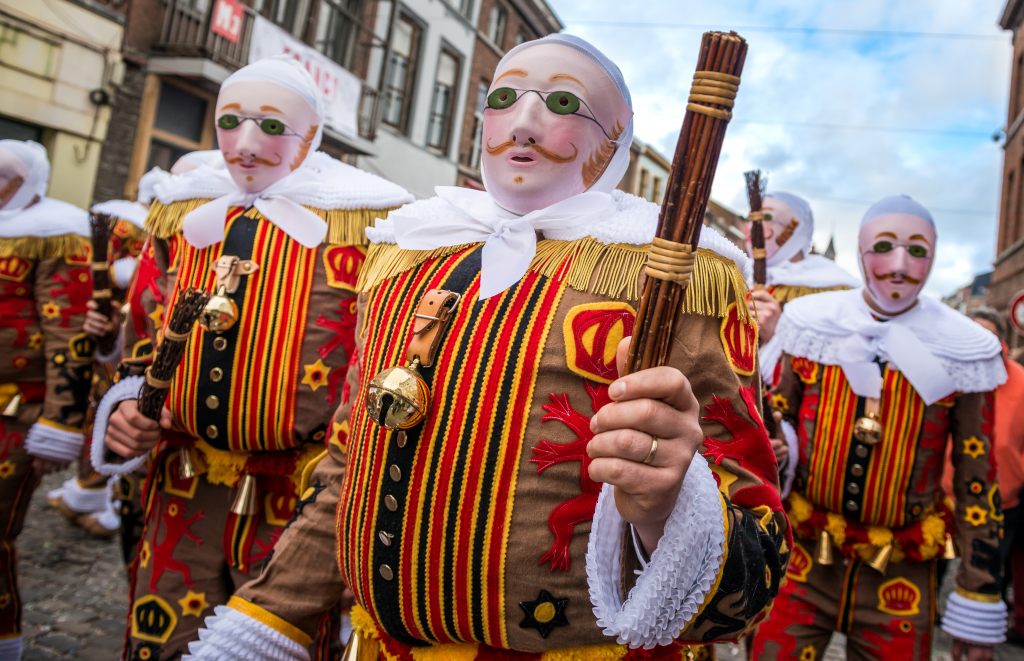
(617, 389)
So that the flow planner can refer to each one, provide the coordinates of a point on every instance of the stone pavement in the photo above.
(75, 589)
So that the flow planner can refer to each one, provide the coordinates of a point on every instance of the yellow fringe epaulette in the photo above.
(611, 270)
(43, 247)
(344, 226)
(785, 293)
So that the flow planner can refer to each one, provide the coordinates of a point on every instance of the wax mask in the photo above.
(780, 223)
(896, 252)
(12, 176)
(550, 126)
(265, 132)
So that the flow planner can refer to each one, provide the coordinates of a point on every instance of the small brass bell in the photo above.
(824, 552)
(186, 469)
(398, 397)
(868, 429)
(361, 648)
(220, 313)
(949, 550)
(880, 561)
(13, 406)
(245, 503)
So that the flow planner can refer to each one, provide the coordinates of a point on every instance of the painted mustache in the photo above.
(546, 153)
(255, 159)
(889, 276)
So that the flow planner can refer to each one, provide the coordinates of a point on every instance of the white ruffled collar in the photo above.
(628, 219)
(814, 272)
(938, 349)
(133, 212)
(47, 217)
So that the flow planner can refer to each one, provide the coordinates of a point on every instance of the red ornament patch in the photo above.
(739, 339)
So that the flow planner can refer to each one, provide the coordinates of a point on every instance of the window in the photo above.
(439, 127)
(401, 74)
(656, 191)
(644, 177)
(11, 129)
(496, 26)
(472, 159)
(337, 29)
(285, 13)
(182, 123)
(465, 7)
(520, 38)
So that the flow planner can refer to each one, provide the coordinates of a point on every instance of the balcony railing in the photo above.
(186, 33)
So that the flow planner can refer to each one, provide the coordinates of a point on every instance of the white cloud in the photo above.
(945, 84)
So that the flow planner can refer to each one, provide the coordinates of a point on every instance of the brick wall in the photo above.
(116, 156)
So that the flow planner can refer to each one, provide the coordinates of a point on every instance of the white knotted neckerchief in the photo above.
(510, 240)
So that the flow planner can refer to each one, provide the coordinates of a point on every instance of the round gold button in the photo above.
(385, 538)
(395, 472)
(856, 470)
(390, 502)
(216, 374)
(852, 505)
(401, 439)
(212, 402)
(861, 451)
(220, 343)
(853, 488)
(386, 573)
(212, 431)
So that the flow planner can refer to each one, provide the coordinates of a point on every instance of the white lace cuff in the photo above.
(230, 635)
(789, 470)
(79, 499)
(48, 440)
(679, 575)
(980, 622)
(126, 388)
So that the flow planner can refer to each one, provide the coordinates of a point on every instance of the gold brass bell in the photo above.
(186, 469)
(868, 429)
(361, 648)
(13, 406)
(824, 551)
(880, 561)
(398, 397)
(949, 550)
(220, 313)
(245, 502)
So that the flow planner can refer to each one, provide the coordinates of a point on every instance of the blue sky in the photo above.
(944, 96)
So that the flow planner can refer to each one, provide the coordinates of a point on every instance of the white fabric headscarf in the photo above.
(800, 241)
(510, 240)
(148, 183)
(37, 173)
(205, 226)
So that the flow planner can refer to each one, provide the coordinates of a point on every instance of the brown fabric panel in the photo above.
(24, 360)
(67, 367)
(973, 462)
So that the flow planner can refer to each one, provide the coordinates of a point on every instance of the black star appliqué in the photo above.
(312, 491)
(544, 613)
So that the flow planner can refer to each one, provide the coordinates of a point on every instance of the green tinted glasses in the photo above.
(268, 125)
(913, 249)
(559, 102)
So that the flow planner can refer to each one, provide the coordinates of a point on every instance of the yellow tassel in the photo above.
(824, 553)
(785, 293)
(611, 270)
(164, 220)
(880, 561)
(246, 501)
(43, 247)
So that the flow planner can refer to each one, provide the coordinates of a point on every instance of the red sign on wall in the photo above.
(1017, 311)
(226, 19)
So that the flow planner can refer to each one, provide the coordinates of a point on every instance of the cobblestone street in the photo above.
(75, 589)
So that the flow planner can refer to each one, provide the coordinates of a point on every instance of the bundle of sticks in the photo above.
(102, 291)
(186, 311)
(670, 262)
(755, 196)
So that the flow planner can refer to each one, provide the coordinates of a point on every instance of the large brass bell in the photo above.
(949, 548)
(13, 406)
(398, 397)
(246, 502)
(361, 648)
(220, 313)
(880, 561)
(186, 469)
(868, 430)
(824, 551)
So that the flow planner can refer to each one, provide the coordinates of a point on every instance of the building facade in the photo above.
(59, 64)
(1008, 273)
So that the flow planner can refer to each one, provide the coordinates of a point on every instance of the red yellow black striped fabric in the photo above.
(833, 433)
(266, 363)
(457, 507)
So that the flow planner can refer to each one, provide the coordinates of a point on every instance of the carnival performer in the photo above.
(278, 236)
(873, 383)
(86, 500)
(45, 355)
(493, 489)
(793, 271)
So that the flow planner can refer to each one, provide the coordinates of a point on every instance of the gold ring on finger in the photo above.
(649, 459)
